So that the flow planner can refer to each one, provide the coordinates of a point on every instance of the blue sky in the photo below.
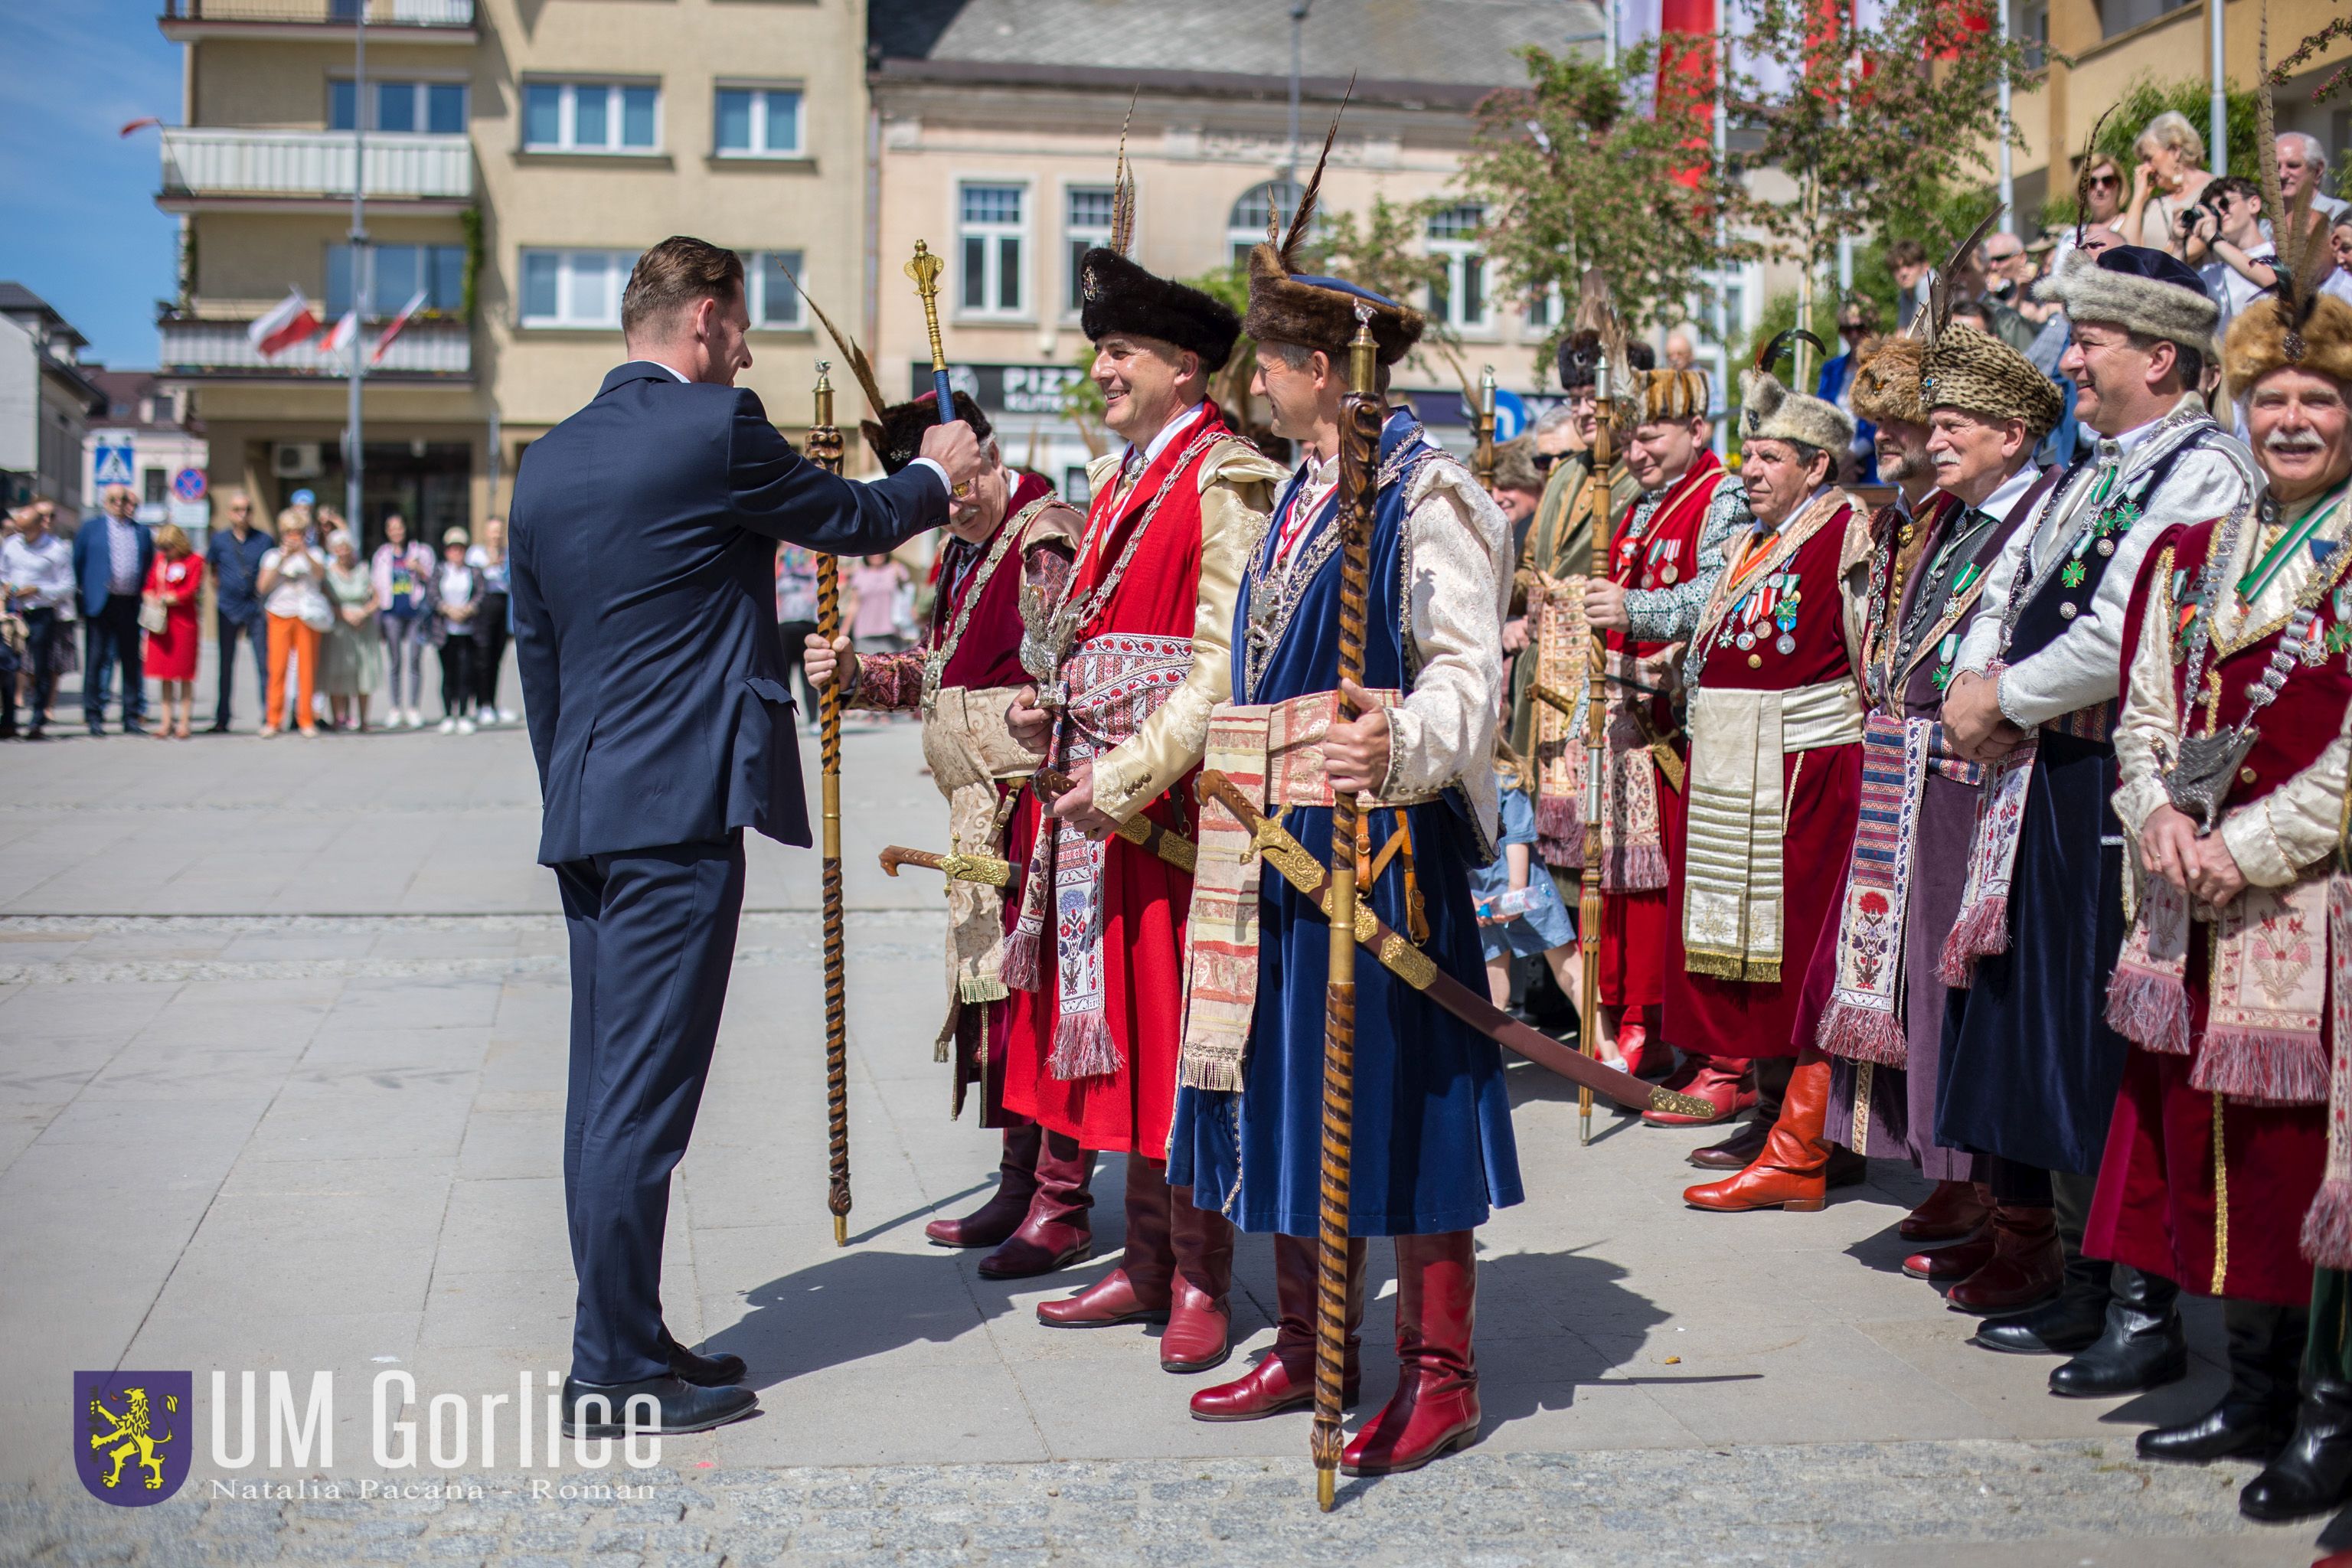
(77, 219)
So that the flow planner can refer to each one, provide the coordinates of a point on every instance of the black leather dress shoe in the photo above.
(702, 1371)
(2313, 1472)
(2141, 1347)
(679, 1406)
(2060, 1326)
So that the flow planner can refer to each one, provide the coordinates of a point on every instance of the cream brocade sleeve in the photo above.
(2150, 717)
(1459, 558)
(1236, 493)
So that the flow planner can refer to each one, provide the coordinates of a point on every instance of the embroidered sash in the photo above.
(1861, 1023)
(2268, 982)
(1114, 683)
(1559, 650)
(1738, 812)
(967, 749)
(1273, 754)
(1633, 848)
(1982, 927)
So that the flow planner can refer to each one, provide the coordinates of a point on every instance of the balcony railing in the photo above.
(193, 346)
(208, 162)
(325, 13)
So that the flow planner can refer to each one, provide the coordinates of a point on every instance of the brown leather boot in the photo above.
(1954, 1210)
(1793, 1173)
(1138, 1290)
(2026, 1265)
(1000, 1215)
(1283, 1378)
(1948, 1265)
(1435, 1407)
(1200, 1320)
(1058, 1229)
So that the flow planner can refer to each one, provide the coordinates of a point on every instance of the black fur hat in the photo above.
(1121, 297)
(898, 437)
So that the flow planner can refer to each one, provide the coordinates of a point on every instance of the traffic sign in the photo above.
(1510, 415)
(188, 484)
(111, 465)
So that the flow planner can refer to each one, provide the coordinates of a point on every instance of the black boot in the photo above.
(702, 1371)
(2141, 1347)
(2257, 1412)
(678, 1407)
(2313, 1472)
(2074, 1320)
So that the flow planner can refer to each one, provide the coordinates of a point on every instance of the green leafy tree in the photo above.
(2193, 97)
(1575, 170)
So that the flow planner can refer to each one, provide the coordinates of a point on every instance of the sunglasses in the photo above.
(1544, 460)
(2113, 182)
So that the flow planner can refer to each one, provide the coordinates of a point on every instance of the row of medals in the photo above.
(1784, 614)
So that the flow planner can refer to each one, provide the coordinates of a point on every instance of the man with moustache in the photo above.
(1985, 408)
(2232, 749)
(2029, 1068)
(1665, 558)
(1009, 543)
(1131, 662)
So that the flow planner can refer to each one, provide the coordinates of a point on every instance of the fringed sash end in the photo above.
(1859, 1033)
(1982, 932)
(2149, 1010)
(1083, 1048)
(2261, 1067)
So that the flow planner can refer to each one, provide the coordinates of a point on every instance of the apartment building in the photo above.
(999, 125)
(47, 397)
(518, 154)
(2109, 45)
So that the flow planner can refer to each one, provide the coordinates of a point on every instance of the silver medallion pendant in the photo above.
(1784, 644)
(1745, 641)
(2199, 781)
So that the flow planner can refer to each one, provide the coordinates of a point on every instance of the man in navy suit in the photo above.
(644, 544)
(111, 553)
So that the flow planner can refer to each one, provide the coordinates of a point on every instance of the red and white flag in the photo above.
(393, 327)
(346, 332)
(290, 321)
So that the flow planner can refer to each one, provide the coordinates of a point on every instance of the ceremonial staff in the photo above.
(1485, 459)
(825, 450)
(1360, 435)
(1596, 693)
(925, 270)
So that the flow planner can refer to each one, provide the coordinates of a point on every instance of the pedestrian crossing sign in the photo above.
(113, 467)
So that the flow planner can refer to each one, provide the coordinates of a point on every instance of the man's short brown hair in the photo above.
(1906, 252)
(673, 276)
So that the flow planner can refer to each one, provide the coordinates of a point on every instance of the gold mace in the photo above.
(825, 448)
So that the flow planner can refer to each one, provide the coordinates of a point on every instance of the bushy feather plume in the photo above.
(1303, 216)
(1122, 187)
(2083, 176)
(1596, 312)
(1769, 354)
(1939, 292)
(859, 365)
(2302, 250)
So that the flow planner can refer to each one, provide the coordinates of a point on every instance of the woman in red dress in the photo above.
(176, 581)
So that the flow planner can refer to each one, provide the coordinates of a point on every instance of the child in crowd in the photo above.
(1519, 912)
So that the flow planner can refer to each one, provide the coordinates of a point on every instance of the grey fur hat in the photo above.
(1770, 412)
(2141, 290)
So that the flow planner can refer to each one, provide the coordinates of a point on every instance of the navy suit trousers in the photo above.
(652, 937)
(109, 638)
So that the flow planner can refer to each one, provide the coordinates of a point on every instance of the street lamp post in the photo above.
(354, 460)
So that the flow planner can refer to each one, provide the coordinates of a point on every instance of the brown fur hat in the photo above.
(1121, 297)
(2258, 342)
(1318, 312)
(1973, 371)
(1673, 395)
(899, 437)
(1886, 381)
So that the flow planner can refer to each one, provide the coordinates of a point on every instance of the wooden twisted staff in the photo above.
(825, 448)
(1596, 752)
(1360, 435)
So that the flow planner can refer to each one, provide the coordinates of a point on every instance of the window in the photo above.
(575, 288)
(1460, 300)
(589, 117)
(154, 487)
(759, 122)
(768, 276)
(400, 271)
(990, 232)
(1543, 311)
(1246, 224)
(438, 107)
(1087, 226)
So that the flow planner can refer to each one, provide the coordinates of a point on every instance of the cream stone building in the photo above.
(518, 155)
(999, 123)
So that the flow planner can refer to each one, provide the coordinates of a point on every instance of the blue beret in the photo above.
(2140, 261)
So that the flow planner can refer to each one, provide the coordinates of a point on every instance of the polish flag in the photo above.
(345, 332)
(393, 327)
(290, 321)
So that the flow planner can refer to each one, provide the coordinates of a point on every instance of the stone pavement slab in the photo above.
(281, 1076)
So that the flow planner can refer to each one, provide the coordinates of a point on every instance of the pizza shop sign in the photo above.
(1006, 388)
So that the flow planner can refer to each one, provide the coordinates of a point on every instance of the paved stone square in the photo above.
(281, 1075)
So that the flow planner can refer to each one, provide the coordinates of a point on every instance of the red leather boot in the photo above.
(1719, 1081)
(1058, 1230)
(1633, 1041)
(1200, 1318)
(1435, 1407)
(1283, 1378)
(1954, 1210)
(1000, 1215)
(1793, 1173)
(1137, 1291)
(2027, 1264)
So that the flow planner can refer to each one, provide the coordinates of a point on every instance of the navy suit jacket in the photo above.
(93, 559)
(644, 534)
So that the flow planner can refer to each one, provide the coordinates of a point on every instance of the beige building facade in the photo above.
(518, 155)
